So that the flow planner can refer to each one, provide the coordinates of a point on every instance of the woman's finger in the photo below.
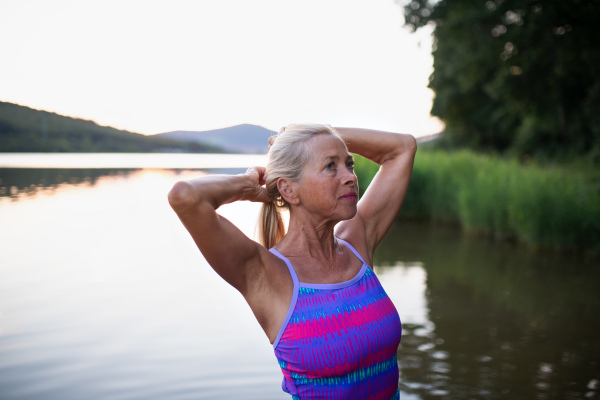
(258, 173)
(271, 139)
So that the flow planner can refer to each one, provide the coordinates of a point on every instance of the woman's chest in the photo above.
(336, 332)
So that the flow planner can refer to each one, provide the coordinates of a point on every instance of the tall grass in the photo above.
(547, 206)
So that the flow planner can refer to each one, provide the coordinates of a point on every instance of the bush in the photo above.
(547, 206)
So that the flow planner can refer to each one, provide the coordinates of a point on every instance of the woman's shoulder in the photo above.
(357, 239)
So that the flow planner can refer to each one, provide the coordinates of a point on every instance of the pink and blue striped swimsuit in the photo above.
(339, 341)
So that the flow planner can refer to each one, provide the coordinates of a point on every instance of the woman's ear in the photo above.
(287, 189)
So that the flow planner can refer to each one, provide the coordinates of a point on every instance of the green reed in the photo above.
(547, 206)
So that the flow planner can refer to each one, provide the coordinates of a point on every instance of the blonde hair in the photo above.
(287, 155)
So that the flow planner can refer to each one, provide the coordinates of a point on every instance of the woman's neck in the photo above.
(307, 236)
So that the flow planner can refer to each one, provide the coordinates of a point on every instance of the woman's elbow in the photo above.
(181, 195)
(409, 144)
(405, 146)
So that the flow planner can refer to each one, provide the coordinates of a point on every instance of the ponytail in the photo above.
(270, 227)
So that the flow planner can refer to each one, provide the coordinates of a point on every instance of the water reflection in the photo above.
(27, 182)
(503, 321)
(19, 183)
(27, 174)
(103, 294)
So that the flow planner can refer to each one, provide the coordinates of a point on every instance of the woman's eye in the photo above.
(350, 165)
(331, 165)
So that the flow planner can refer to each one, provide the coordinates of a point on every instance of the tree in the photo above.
(516, 76)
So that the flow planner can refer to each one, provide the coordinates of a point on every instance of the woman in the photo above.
(334, 330)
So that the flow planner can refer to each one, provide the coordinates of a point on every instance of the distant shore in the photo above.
(130, 160)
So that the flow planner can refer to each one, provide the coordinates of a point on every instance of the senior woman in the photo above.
(334, 330)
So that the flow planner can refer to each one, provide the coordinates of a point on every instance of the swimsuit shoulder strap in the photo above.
(294, 295)
(289, 265)
(352, 249)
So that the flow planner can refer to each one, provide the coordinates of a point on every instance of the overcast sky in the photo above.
(156, 66)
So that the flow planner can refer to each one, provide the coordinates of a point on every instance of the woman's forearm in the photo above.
(214, 189)
(378, 146)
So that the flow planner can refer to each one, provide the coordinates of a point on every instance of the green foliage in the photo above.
(516, 76)
(23, 129)
(365, 171)
(551, 206)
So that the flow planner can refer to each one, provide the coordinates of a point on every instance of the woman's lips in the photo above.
(350, 196)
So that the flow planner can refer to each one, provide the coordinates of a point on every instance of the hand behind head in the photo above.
(272, 138)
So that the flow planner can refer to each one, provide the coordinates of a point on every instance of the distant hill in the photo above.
(23, 129)
(245, 138)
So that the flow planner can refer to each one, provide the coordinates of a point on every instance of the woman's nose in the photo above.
(349, 178)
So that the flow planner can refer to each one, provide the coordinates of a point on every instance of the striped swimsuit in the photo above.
(339, 341)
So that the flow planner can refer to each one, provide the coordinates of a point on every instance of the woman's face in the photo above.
(328, 186)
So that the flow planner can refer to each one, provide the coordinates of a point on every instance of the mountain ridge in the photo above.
(25, 129)
(243, 138)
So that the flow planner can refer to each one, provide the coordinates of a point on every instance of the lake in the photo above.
(103, 295)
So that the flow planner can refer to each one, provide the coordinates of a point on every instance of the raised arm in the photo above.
(380, 205)
(235, 257)
(259, 275)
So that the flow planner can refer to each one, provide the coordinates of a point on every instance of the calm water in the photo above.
(103, 295)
